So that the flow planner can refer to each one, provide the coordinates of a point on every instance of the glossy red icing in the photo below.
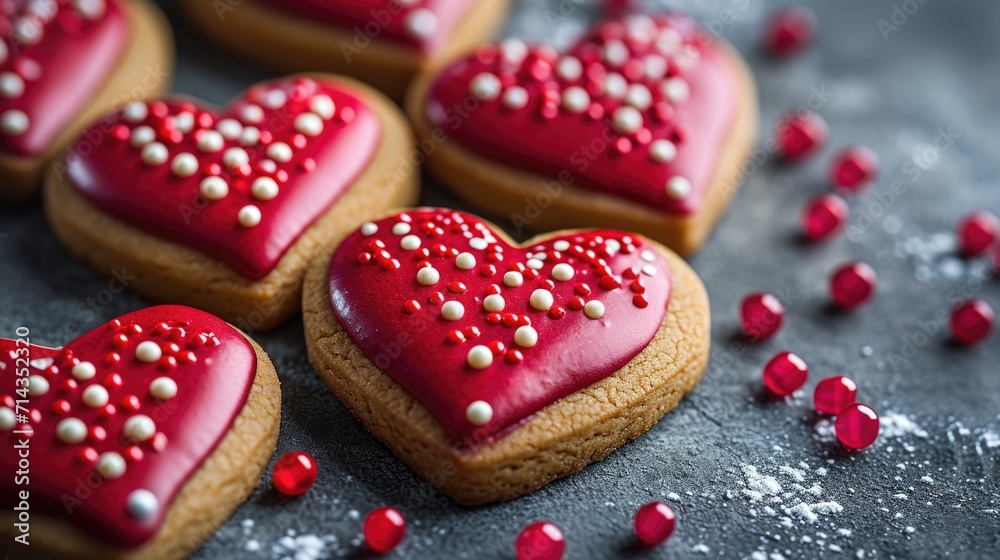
(425, 25)
(213, 367)
(374, 274)
(53, 57)
(113, 175)
(678, 87)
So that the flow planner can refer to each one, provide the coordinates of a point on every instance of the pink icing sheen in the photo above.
(53, 57)
(322, 163)
(642, 63)
(374, 285)
(424, 25)
(213, 367)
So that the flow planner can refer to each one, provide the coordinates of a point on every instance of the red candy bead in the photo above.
(540, 541)
(789, 30)
(761, 315)
(799, 134)
(824, 216)
(785, 373)
(857, 426)
(294, 473)
(853, 167)
(384, 529)
(977, 231)
(834, 393)
(971, 321)
(852, 284)
(654, 523)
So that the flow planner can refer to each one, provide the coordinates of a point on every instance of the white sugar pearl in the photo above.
(154, 153)
(561, 245)
(184, 122)
(95, 396)
(111, 465)
(613, 246)
(210, 141)
(235, 157)
(428, 276)
(648, 270)
(135, 111)
(479, 412)
(541, 299)
(148, 352)
(229, 128)
(37, 386)
(369, 228)
(480, 357)
(410, 242)
(400, 228)
(71, 430)
(141, 504)
(494, 303)
(264, 188)
(594, 309)
(569, 68)
(274, 99)
(647, 255)
(11, 85)
(513, 279)
(14, 122)
(84, 371)
(575, 99)
(639, 97)
(250, 136)
(627, 119)
(485, 86)
(142, 135)
(452, 310)
(252, 113)
(678, 187)
(309, 124)
(563, 272)
(214, 188)
(513, 51)
(421, 23)
(655, 66)
(662, 151)
(615, 86)
(7, 419)
(515, 97)
(323, 106)
(534, 263)
(249, 216)
(89, 9)
(139, 428)
(184, 165)
(465, 261)
(163, 388)
(615, 53)
(675, 89)
(526, 336)
(478, 243)
(279, 151)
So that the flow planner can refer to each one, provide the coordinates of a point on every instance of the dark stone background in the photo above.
(927, 489)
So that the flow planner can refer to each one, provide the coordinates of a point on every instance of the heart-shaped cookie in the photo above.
(642, 125)
(144, 432)
(382, 42)
(512, 364)
(224, 209)
(62, 64)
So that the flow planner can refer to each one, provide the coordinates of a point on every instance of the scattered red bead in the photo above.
(853, 167)
(799, 134)
(789, 30)
(294, 473)
(977, 231)
(857, 426)
(384, 529)
(540, 541)
(834, 393)
(761, 315)
(785, 374)
(824, 216)
(852, 284)
(971, 321)
(654, 523)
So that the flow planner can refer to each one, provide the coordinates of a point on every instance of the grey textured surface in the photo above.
(927, 489)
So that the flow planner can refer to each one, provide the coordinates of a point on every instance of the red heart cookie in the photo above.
(116, 422)
(647, 111)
